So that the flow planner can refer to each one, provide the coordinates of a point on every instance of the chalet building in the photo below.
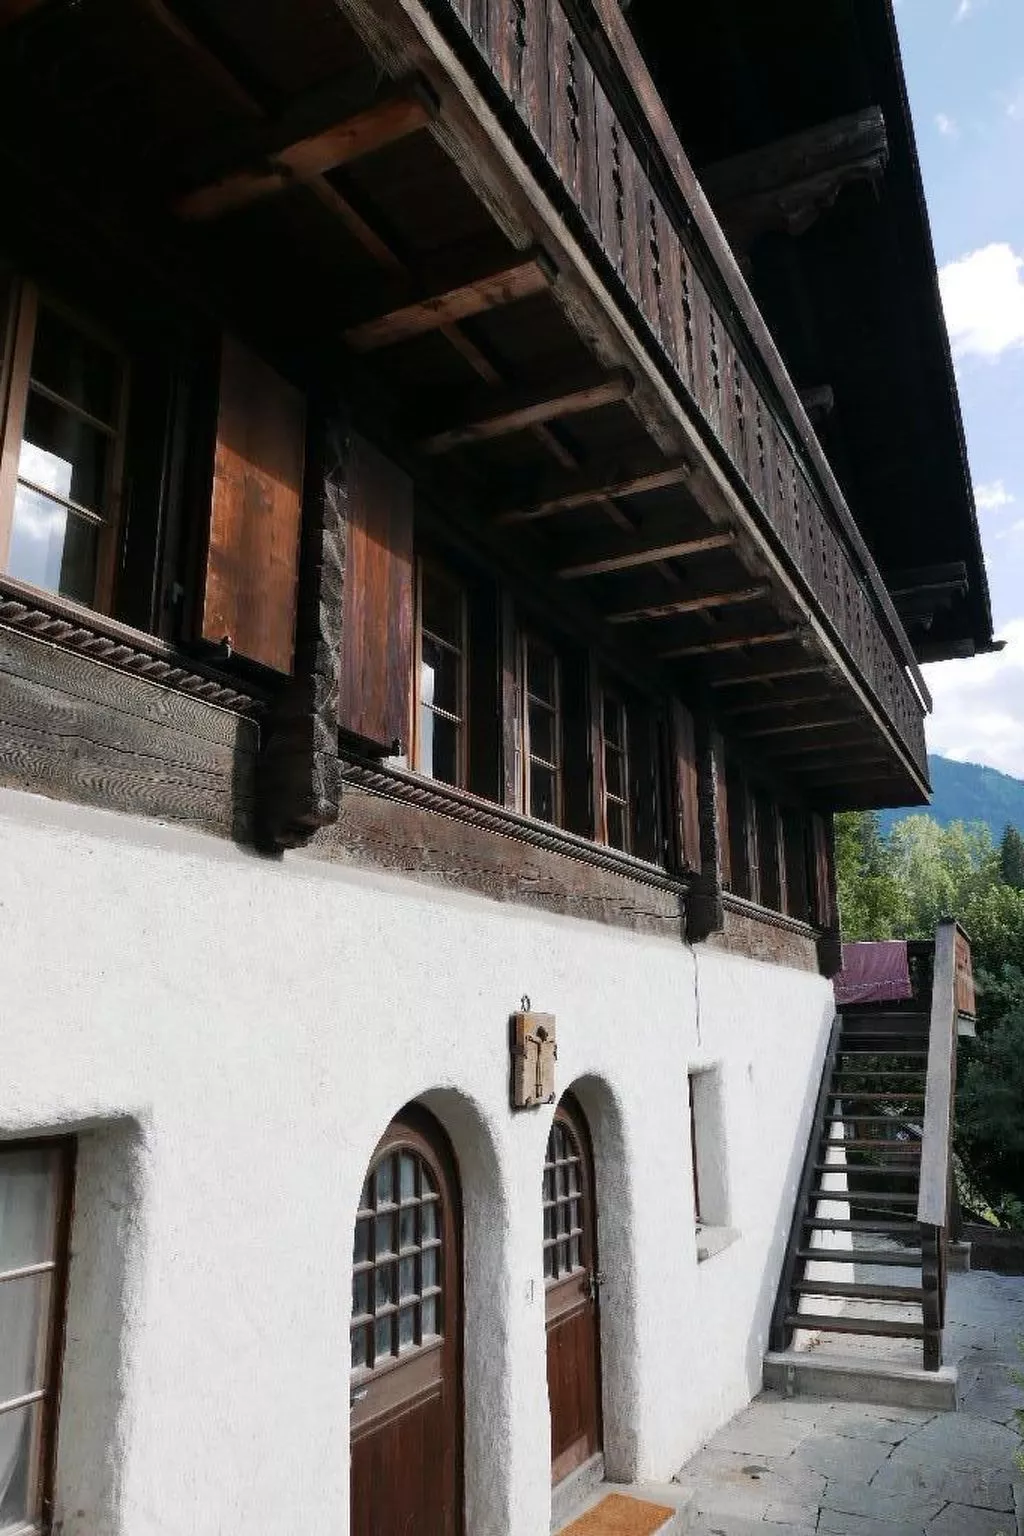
(478, 479)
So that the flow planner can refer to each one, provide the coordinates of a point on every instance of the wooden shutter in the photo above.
(824, 897)
(798, 898)
(252, 561)
(722, 810)
(683, 748)
(645, 781)
(580, 704)
(375, 679)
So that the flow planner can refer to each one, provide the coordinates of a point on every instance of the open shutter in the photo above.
(683, 748)
(824, 899)
(377, 623)
(252, 560)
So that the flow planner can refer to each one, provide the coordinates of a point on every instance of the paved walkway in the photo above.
(796, 1466)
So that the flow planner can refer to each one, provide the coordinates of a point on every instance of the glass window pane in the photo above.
(361, 1247)
(366, 1198)
(361, 1293)
(542, 733)
(617, 828)
(407, 1328)
(23, 1310)
(28, 1196)
(540, 671)
(431, 1268)
(407, 1278)
(407, 1176)
(549, 1221)
(382, 1338)
(386, 1286)
(429, 1218)
(549, 1263)
(430, 1314)
(51, 548)
(440, 677)
(574, 1253)
(439, 747)
(542, 793)
(442, 608)
(359, 1348)
(407, 1227)
(75, 365)
(18, 1440)
(63, 454)
(563, 1257)
(385, 1235)
(385, 1182)
(575, 1215)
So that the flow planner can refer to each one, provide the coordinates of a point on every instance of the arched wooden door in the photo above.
(571, 1280)
(407, 1338)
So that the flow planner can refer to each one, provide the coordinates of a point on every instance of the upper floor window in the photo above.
(34, 1204)
(62, 453)
(440, 748)
(617, 811)
(542, 731)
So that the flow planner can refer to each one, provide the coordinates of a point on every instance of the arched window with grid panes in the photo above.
(406, 1336)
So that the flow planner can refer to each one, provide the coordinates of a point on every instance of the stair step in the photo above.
(910, 1258)
(874, 1169)
(869, 1325)
(900, 1120)
(911, 1150)
(878, 1197)
(878, 1076)
(859, 1292)
(884, 1224)
(894, 1096)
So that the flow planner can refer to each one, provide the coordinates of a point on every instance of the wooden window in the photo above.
(441, 667)
(799, 864)
(564, 1247)
(742, 862)
(708, 1149)
(617, 808)
(683, 749)
(61, 452)
(35, 1193)
(398, 1268)
(542, 731)
(766, 819)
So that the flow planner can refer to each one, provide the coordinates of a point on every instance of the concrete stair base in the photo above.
(817, 1374)
(674, 1495)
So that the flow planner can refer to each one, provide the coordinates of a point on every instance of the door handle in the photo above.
(595, 1280)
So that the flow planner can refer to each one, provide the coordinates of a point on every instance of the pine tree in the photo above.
(1011, 858)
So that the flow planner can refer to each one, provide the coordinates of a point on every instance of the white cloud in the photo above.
(983, 298)
(947, 126)
(979, 706)
(963, 10)
(993, 496)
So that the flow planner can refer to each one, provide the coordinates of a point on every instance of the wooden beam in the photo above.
(565, 493)
(769, 677)
(702, 604)
(866, 751)
(516, 410)
(489, 291)
(406, 109)
(776, 703)
(802, 725)
(739, 643)
(648, 554)
(14, 10)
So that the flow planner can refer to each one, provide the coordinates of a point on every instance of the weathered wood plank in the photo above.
(702, 604)
(568, 490)
(619, 557)
(515, 411)
(492, 290)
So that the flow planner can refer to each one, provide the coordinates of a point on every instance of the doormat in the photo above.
(617, 1515)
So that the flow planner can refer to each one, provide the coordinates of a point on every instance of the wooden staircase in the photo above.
(883, 1125)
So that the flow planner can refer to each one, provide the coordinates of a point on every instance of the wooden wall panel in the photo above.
(685, 785)
(375, 677)
(252, 564)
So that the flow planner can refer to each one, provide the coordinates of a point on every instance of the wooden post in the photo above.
(705, 913)
(298, 782)
(830, 939)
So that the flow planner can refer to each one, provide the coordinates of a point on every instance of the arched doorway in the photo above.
(406, 1337)
(571, 1280)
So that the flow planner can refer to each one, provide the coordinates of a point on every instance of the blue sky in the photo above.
(964, 62)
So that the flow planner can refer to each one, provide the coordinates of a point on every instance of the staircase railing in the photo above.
(935, 1195)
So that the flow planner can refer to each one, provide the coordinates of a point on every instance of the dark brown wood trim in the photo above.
(704, 909)
(298, 783)
(515, 410)
(568, 490)
(702, 604)
(752, 909)
(499, 286)
(71, 627)
(459, 805)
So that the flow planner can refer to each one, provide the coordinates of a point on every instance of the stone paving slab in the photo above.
(791, 1466)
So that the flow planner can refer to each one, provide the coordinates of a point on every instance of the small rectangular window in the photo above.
(708, 1149)
(617, 810)
(441, 667)
(542, 731)
(62, 454)
(35, 1188)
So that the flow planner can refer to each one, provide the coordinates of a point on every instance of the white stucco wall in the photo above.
(232, 1034)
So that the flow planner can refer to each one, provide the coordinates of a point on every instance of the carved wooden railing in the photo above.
(936, 1197)
(560, 65)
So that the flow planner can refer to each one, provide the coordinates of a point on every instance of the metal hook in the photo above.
(524, 1006)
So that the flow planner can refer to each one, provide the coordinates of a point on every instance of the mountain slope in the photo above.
(970, 792)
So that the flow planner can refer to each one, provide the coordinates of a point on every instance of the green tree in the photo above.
(990, 1116)
(872, 901)
(1011, 858)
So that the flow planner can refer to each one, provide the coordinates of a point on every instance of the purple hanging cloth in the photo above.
(874, 972)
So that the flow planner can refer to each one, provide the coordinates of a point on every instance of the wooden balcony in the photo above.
(566, 81)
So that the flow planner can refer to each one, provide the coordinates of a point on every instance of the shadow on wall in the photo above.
(103, 1282)
(615, 1247)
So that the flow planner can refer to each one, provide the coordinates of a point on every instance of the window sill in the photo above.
(71, 627)
(745, 908)
(397, 783)
(712, 1240)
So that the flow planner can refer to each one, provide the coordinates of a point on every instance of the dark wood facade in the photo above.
(453, 464)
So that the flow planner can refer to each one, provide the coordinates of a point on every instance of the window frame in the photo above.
(24, 300)
(528, 637)
(606, 692)
(48, 1396)
(440, 572)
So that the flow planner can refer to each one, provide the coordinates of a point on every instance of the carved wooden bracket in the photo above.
(787, 185)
